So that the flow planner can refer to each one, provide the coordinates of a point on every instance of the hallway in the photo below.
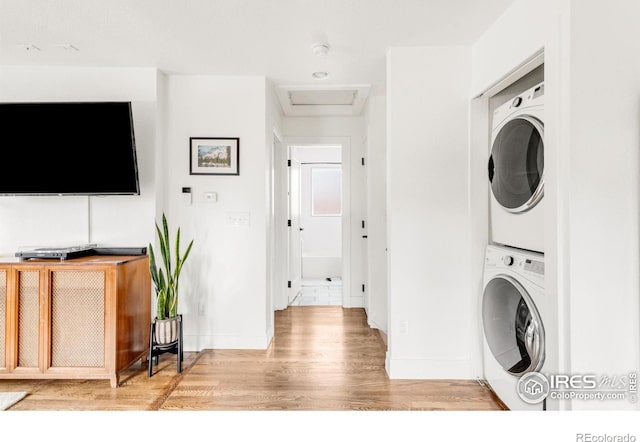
(319, 292)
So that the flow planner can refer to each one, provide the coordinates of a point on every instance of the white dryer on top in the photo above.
(516, 171)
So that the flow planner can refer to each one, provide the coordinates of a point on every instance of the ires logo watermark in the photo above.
(535, 387)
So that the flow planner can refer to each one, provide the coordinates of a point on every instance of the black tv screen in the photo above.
(72, 148)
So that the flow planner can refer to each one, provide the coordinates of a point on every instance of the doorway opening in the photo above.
(316, 204)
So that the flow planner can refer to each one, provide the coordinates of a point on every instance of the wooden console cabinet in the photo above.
(83, 318)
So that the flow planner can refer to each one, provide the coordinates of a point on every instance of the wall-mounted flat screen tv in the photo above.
(71, 148)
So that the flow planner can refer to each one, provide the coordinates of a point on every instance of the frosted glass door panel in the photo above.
(326, 192)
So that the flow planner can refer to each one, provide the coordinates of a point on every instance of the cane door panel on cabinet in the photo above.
(28, 316)
(77, 318)
(82, 318)
(3, 318)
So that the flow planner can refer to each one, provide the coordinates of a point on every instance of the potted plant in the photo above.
(165, 279)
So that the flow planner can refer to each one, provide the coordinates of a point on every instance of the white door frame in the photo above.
(272, 189)
(282, 208)
(294, 230)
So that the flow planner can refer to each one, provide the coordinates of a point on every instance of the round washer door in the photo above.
(516, 164)
(512, 326)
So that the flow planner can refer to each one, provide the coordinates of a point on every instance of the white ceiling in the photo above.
(238, 37)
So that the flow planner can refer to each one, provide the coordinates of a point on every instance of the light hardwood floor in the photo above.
(321, 358)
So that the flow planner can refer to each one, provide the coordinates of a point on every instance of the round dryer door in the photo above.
(512, 326)
(516, 164)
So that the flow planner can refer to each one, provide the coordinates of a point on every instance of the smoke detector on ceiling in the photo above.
(320, 75)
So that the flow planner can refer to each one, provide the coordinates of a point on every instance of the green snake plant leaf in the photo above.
(165, 278)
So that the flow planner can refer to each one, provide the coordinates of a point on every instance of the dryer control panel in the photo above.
(532, 97)
(534, 266)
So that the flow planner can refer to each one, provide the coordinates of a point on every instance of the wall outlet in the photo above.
(404, 328)
(239, 218)
(201, 308)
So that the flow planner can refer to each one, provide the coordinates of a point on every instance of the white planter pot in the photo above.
(166, 330)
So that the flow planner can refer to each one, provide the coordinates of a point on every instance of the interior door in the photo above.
(295, 245)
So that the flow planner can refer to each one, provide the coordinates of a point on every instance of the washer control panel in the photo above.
(529, 265)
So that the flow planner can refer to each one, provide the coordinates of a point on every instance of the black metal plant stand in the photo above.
(156, 349)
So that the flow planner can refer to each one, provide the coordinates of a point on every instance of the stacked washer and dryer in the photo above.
(514, 300)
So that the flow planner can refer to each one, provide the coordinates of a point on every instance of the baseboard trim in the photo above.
(484, 384)
(382, 336)
(428, 368)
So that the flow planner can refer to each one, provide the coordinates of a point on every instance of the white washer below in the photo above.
(513, 304)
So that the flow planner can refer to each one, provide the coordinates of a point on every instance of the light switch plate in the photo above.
(210, 197)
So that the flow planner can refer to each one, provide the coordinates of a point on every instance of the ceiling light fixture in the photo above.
(320, 49)
(320, 75)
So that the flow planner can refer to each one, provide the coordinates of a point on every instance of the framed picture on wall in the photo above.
(214, 156)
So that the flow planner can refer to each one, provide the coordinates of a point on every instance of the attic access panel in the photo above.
(323, 98)
(345, 100)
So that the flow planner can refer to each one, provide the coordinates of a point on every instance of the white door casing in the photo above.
(295, 245)
(345, 144)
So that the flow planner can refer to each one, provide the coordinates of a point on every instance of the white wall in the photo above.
(479, 221)
(324, 154)
(325, 130)
(428, 215)
(66, 220)
(225, 294)
(376, 226)
(521, 31)
(273, 136)
(603, 191)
